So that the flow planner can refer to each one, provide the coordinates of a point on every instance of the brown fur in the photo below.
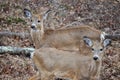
(65, 39)
(53, 63)
(58, 63)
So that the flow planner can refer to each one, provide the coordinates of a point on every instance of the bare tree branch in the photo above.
(15, 50)
(113, 37)
(11, 34)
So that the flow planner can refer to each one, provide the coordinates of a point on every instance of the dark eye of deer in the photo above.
(92, 49)
(38, 20)
(101, 49)
(31, 20)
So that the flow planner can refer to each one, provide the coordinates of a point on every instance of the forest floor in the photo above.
(101, 14)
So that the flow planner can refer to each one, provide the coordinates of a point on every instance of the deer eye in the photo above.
(38, 20)
(101, 49)
(92, 49)
(31, 20)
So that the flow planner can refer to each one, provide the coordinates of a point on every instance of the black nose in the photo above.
(95, 58)
(58, 79)
(33, 27)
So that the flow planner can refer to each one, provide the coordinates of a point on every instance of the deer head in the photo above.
(97, 47)
(36, 19)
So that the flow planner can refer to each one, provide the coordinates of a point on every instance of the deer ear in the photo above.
(87, 41)
(106, 42)
(27, 13)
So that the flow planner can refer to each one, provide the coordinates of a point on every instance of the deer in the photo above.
(63, 39)
(70, 65)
